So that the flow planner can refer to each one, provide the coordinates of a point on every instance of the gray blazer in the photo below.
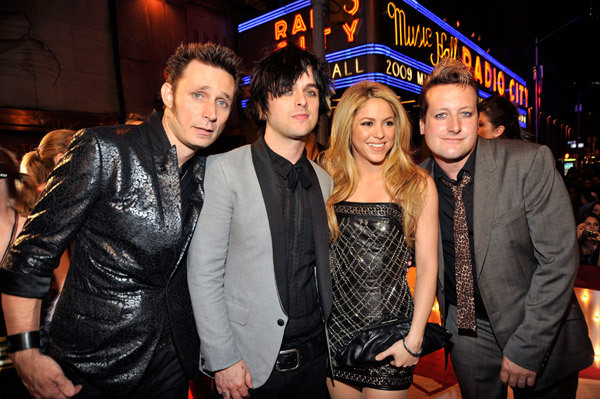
(232, 258)
(526, 258)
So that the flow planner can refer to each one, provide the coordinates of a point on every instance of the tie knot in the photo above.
(298, 172)
(457, 189)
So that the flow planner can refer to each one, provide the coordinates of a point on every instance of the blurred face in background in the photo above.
(591, 224)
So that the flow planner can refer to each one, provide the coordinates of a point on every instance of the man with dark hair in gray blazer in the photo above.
(508, 252)
(259, 266)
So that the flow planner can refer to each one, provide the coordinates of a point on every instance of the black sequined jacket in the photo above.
(116, 196)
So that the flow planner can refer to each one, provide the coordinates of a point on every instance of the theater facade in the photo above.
(396, 43)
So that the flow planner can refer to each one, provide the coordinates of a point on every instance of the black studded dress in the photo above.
(369, 262)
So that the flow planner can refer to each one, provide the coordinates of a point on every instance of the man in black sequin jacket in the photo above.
(128, 197)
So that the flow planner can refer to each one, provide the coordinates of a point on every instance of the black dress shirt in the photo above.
(300, 297)
(446, 212)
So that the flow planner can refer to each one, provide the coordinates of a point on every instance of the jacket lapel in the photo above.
(321, 234)
(168, 199)
(268, 187)
(196, 200)
(485, 191)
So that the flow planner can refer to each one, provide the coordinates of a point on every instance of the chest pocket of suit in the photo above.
(236, 313)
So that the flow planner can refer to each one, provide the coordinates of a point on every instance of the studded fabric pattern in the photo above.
(116, 196)
(368, 263)
(465, 300)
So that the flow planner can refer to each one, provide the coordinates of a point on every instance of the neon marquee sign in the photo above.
(404, 42)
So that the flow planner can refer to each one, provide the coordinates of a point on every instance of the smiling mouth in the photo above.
(376, 145)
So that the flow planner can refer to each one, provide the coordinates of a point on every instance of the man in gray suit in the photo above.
(520, 325)
(259, 267)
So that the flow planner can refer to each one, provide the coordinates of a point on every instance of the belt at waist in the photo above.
(291, 359)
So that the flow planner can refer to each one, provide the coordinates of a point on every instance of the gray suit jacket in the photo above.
(526, 258)
(232, 258)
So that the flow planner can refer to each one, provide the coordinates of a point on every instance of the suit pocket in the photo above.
(84, 324)
(102, 309)
(237, 313)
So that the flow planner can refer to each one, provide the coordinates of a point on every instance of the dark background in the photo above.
(135, 37)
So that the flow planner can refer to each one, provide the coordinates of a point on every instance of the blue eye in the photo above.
(222, 103)
(312, 93)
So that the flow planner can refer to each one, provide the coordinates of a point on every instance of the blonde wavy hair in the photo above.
(405, 181)
(40, 162)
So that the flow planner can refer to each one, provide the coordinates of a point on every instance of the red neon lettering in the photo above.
(326, 32)
(510, 90)
(354, 9)
(477, 71)
(299, 25)
(280, 28)
(310, 18)
(350, 30)
(521, 94)
(281, 44)
(501, 83)
(487, 74)
(302, 43)
(467, 59)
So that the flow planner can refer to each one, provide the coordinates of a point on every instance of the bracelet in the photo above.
(415, 354)
(23, 341)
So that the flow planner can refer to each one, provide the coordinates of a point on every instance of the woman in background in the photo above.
(498, 118)
(17, 195)
(382, 208)
(38, 164)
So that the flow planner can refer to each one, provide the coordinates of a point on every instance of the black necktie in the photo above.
(298, 172)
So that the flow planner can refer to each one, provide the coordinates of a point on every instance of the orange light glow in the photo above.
(597, 317)
(585, 296)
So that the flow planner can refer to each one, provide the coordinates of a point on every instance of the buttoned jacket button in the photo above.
(280, 322)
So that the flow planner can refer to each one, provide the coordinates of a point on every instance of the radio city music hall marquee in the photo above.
(393, 42)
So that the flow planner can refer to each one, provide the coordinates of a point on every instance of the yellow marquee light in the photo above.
(585, 296)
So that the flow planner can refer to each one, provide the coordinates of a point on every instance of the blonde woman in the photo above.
(383, 209)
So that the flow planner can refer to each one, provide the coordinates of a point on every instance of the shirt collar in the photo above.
(281, 165)
(469, 167)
